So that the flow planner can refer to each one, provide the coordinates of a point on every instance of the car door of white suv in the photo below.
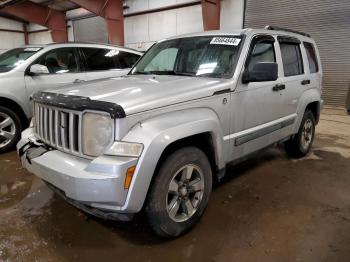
(257, 106)
(295, 78)
(62, 66)
(105, 63)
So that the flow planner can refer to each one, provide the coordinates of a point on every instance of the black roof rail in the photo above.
(271, 27)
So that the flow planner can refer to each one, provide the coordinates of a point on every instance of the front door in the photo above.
(256, 106)
(64, 69)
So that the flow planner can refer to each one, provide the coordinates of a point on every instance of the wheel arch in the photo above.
(161, 137)
(310, 99)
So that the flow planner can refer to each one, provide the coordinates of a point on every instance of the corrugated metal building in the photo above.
(328, 22)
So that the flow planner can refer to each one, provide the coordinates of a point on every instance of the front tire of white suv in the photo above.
(180, 192)
(10, 129)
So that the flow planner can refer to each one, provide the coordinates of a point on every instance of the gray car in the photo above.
(155, 139)
(30, 69)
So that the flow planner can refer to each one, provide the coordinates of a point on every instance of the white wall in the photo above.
(143, 30)
(10, 39)
(45, 37)
(232, 13)
(39, 37)
(70, 31)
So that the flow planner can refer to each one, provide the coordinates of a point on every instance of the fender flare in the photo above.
(159, 132)
(308, 97)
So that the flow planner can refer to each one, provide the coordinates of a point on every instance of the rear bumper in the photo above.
(93, 186)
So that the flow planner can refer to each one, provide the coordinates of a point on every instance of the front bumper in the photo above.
(92, 185)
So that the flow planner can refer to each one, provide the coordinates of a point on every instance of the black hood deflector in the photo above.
(78, 103)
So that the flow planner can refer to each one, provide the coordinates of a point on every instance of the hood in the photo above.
(145, 92)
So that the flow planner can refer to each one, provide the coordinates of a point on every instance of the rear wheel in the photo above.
(180, 192)
(10, 129)
(300, 145)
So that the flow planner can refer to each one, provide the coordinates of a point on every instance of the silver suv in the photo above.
(29, 69)
(155, 140)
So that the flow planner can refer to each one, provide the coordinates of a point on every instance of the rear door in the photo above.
(105, 63)
(295, 77)
(64, 69)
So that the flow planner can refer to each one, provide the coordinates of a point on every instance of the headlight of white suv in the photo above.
(97, 133)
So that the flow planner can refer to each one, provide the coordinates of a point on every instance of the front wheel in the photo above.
(300, 145)
(10, 129)
(180, 192)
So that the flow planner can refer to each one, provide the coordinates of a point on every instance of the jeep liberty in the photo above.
(156, 139)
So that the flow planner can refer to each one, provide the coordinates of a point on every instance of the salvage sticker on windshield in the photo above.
(32, 49)
(225, 41)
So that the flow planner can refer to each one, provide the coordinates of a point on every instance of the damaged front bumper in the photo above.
(95, 186)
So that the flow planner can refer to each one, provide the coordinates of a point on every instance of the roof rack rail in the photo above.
(270, 27)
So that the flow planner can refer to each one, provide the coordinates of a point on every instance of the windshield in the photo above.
(13, 58)
(211, 56)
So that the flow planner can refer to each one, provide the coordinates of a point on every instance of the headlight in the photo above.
(125, 149)
(97, 133)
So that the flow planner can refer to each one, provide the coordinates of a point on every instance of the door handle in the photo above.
(77, 81)
(279, 87)
(305, 82)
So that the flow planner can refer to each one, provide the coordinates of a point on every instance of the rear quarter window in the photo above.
(311, 56)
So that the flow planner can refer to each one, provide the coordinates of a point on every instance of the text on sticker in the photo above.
(225, 41)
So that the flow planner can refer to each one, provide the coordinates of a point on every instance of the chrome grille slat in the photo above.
(45, 124)
(70, 136)
(41, 122)
(63, 133)
(59, 128)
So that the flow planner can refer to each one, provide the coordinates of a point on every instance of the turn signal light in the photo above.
(128, 177)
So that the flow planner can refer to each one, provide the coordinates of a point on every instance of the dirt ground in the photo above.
(269, 208)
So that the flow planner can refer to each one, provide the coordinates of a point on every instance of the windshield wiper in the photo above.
(171, 72)
(141, 73)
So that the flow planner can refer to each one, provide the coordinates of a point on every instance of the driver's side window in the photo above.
(263, 51)
(60, 61)
(164, 61)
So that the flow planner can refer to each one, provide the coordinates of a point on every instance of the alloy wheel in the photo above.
(185, 193)
(7, 129)
(307, 134)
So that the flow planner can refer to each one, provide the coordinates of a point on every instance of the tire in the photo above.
(163, 194)
(10, 129)
(300, 144)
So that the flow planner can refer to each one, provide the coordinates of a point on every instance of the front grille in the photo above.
(58, 128)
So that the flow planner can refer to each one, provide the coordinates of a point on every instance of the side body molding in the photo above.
(159, 132)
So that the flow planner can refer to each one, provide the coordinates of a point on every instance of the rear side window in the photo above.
(126, 59)
(292, 59)
(311, 56)
(99, 59)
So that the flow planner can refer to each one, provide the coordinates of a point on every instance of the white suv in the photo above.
(156, 138)
(26, 70)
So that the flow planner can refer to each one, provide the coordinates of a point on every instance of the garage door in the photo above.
(328, 22)
(91, 29)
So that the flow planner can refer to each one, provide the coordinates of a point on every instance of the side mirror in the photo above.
(261, 72)
(38, 70)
